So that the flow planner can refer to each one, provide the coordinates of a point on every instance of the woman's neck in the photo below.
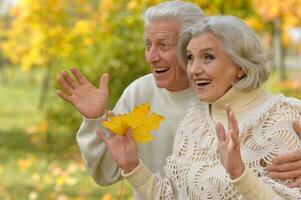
(240, 102)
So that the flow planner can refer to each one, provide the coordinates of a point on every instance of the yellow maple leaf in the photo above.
(139, 120)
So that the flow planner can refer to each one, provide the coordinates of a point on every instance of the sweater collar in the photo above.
(183, 94)
(238, 100)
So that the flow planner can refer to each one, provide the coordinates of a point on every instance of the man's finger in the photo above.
(69, 80)
(80, 78)
(285, 167)
(104, 83)
(294, 183)
(65, 85)
(297, 128)
(291, 157)
(285, 175)
(64, 96)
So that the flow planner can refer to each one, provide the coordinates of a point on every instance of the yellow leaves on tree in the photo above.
(139, 120)
(288, 10)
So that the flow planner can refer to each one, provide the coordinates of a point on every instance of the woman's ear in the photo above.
(240, 73)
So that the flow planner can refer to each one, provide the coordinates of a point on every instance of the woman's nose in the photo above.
(196, 67)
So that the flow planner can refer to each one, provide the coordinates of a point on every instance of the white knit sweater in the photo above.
(194, 170)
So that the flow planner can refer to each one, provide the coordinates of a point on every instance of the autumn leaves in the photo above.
(139, 120)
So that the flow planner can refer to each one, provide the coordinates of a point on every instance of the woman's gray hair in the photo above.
(186, 13)
(239, 42)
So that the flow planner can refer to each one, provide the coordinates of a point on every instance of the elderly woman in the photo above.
(225, 63)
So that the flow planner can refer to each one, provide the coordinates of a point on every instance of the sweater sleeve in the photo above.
(94, 152)
(143, 180)
(150, 186)
(251, 187)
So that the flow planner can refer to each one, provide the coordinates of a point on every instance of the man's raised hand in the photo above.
(82, 94)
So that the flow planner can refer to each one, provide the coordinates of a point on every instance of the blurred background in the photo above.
(39, 157)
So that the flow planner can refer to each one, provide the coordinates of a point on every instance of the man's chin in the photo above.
(161, 83)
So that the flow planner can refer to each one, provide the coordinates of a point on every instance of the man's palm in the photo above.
(84, 96)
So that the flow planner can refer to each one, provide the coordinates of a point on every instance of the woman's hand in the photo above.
(229, 147)
(123, 150)
(83, 95)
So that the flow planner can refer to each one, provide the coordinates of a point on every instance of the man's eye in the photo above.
(147, 46)
(209, 57)
(164, 46)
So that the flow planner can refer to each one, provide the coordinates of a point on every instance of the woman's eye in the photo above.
(189, 57)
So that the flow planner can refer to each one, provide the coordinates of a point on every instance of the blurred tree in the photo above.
(96, 36)
(282, 15)
(4, 61)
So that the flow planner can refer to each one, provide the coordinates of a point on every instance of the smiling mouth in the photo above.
(161, 70)
(202, 82)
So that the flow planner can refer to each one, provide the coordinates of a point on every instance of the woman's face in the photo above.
(211, 72)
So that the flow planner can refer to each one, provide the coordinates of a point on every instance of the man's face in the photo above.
(161, 39)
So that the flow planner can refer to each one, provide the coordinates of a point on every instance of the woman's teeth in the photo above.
(202, 82)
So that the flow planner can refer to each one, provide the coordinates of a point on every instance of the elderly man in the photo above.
(166, 89)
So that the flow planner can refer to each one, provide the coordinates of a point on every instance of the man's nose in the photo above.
(153, 55)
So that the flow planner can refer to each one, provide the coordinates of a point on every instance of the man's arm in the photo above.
(288, 166)
(97, 158)
(91, 102)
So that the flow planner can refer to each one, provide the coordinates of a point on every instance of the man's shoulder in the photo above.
(146, 79)
(144, 82)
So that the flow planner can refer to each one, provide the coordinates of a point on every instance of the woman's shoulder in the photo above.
(286, 104)
(285, 109)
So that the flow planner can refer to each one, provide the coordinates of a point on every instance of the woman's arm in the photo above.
(245, 181)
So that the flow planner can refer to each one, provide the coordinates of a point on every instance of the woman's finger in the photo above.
(234, 126)
(221, 133)
(111, 113)
(102, 136)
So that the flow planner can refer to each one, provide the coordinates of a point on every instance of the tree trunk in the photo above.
(45, 87)
(278, 49)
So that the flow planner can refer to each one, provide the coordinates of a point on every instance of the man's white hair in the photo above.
(185, 13)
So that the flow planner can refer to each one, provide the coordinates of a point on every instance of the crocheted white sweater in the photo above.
(194, 170)
(195, 161)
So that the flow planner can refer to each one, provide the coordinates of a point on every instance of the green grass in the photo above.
(29, 167)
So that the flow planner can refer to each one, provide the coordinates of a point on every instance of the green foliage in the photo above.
(290, 87)
(30, 168)
(120, 53)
